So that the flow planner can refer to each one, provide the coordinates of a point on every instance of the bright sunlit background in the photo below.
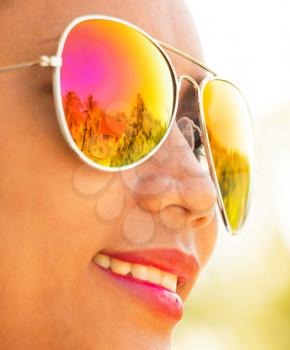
(242, 300)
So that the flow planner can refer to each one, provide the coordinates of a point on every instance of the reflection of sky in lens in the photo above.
(227, 116)
(114, 62)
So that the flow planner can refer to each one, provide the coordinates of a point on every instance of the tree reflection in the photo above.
(112, 139)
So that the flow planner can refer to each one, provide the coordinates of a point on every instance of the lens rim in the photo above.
(209, 156)
(56, 81)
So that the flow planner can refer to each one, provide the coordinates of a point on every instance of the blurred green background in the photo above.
(242, 298)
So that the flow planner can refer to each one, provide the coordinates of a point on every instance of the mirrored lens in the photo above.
(229, 129)
(118, 92)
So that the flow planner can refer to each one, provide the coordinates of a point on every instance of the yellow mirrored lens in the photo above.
(229, 129)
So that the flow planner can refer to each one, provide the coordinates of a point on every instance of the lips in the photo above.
(183, 265)
(155, 276)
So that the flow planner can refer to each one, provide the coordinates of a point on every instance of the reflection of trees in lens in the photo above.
(141, 135)
(74, 117)
(233, 173)
(112, 139)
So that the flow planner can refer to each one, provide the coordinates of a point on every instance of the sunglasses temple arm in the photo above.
(44, 61)
(185, 55)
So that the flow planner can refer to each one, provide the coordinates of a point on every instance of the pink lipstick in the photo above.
(154, 276)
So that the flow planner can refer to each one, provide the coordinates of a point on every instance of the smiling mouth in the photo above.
(155, 277)
(140, 272)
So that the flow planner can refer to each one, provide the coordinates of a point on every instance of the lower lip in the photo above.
(159, 299)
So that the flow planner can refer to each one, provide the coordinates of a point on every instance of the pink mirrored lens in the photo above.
(117, 91)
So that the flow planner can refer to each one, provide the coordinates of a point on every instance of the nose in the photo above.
(173, 183)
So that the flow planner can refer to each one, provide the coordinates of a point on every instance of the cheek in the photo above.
(206, 240)
(39, 195)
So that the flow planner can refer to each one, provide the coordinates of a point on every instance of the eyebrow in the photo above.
(48, 40)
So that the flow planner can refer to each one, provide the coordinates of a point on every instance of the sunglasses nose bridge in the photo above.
(190, 80)
(197, 88)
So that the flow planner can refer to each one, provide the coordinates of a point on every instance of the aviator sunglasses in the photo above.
(116, 95)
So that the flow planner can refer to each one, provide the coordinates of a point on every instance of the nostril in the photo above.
(203, 220)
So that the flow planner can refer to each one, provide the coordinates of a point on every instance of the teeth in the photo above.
(169, 281)
(145, 273)
(120, 267)
(154, 275)
(140, 271)
(103, 260)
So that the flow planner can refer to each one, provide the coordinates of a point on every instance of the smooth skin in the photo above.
(56, 213)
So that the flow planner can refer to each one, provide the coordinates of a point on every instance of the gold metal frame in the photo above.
(55, 62)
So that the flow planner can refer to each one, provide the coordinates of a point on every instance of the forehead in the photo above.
(167, 21)
(38, 24)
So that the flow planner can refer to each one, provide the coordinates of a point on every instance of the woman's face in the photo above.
(56, 213)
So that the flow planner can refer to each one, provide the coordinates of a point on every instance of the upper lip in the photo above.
(184, 266)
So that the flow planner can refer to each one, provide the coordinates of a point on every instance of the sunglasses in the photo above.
(116, 95)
